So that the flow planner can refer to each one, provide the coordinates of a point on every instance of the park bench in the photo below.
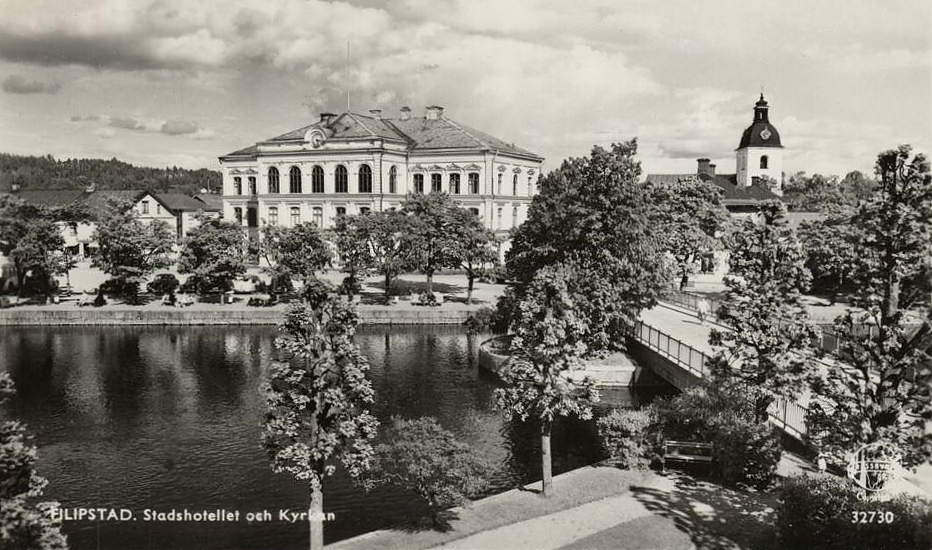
(689, 452)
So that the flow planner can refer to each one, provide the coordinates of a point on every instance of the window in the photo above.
(317, 180)
(295, 216)
(158, 208)
(252, 185)
(365, 179)
(342, 180)
(473, 183)
(392, 179)
(418, 183)
(436, 183)
(238, 215)
(514, 217)
(475, 211)
(363, 210)
(145, 207)
(294, 180)
(455, 184)
(318, 216)
(498, 220)
(530, 186)
(237, 185)
(341, 211)
(273, 216)
(514, 185)
(273, 180)
(499, 183)
(763, 161)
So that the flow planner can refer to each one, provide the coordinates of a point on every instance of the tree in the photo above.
(768, 322)
(353, 250)
(420, 456)
(471, 246)
(549, 340)
(128, 249)
(214, 254)
(318, 397)
(23, 524)
(816, 193)
(595, 211)
(384, 241)
(430, 235)
(881, 391)
(688, 216)
(298, 251)
(831, 254)
(858, 187)
(32, 239)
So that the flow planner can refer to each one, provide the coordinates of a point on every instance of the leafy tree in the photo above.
(354, 252)
(420, 456)
(595, 211)
(858, 187)
(549, 340)
(318, 397)
(31, 237)
(688, 216)
(23, 524)
(769, 323)
(298, 251)
(881, 390)
(128, 249)
(831, 254)
(816, 193)
(384, 240)
(430, 232)
(214, 254)
(471, 246)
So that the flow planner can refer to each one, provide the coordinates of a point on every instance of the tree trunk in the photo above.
(472, 278)
(430, 282)
(684, 279)
(316, 519)
(545, 459)
(388, 285)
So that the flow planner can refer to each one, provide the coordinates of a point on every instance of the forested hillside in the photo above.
(48, 173)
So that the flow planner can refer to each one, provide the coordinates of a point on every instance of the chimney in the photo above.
(405, 113)
(434, 112)
(325, 118)
(712, 170)
(704, 168)
(376, 113)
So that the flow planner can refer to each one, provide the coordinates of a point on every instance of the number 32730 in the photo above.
(872, 517)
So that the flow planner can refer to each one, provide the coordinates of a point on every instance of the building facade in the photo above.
(350, 164)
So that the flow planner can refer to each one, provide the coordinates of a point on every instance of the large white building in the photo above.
(349, 163)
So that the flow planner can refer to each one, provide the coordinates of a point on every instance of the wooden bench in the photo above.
(690, 452)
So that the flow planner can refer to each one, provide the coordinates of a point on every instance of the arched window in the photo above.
(514, 185)
(499, 183)
(237, 185)
(514, 216)
(273, 180)
(318, 216)
(393, 179)
(294, 180)
(363, 210)
(252, 185)
(295, 216)
(763, 161)
(317, 179)
(498, 216)
(455, 184)
(418, 183)
(238, 215)
(473, 183)
(530, 186)
(273, 216)
(342, 180)
(341, 211)
(436, 183)
(365, 179)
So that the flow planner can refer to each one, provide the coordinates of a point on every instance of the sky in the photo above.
(180, 82)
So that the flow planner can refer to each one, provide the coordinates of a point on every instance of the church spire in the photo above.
(760, 109)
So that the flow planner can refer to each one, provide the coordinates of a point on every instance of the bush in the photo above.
(625, 436)
(480, 320)
(427, 299)
(281, 283)
(163, 283)
(746, 452)
(350, 286)
(316, 291)
(119, 287)
(819, 512)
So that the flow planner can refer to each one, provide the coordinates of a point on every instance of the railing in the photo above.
(787, 415)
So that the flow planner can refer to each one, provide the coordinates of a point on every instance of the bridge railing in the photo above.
(787, 415)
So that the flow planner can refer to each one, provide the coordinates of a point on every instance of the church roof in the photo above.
(761, 133)
(732, 193)
(418, 133)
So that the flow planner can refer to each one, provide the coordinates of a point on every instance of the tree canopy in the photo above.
(214, 254)
(430, 235)
(472, 246)
(31, 237)
(298, 251)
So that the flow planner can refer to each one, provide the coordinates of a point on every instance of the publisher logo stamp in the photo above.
(874, 465)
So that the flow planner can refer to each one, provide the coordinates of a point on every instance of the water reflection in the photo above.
(170, 417)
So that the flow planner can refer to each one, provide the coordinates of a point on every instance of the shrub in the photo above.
(427, 299)
(625, 436)
(163, 283)
(281, 282)
(119, 287)
(316, 290)
(350, 286)
(819, 512)
(480, 320)
(746, 452)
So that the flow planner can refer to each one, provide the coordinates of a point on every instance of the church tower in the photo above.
(760, 153)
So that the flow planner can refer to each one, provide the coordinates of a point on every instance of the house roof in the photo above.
(212, 202)
(419, 133)
(63, 197)
(179, 202)
(733, 194)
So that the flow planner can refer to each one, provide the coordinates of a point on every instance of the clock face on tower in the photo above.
(765, 134)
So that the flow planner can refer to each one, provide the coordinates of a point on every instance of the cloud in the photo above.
(178, 127)
(108, 126)
(16, 84)
(126, 123)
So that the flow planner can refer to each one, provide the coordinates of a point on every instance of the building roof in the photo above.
(174, 202)
(732, 193)
(761, 133)
(179, 202)
(212, 202)
(418, 133)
